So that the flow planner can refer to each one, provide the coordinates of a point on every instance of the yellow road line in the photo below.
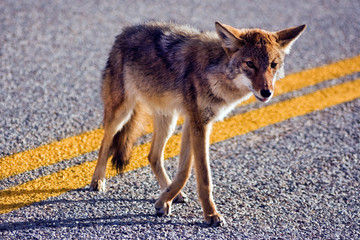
(51, 153)
(90, 141)
(80, 175)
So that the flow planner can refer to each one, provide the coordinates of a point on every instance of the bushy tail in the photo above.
(124, 140)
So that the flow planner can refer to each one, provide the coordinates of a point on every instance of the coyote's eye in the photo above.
(250, 64)
(273, 65)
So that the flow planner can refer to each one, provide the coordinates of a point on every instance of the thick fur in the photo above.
(124, 139)
(170, 70)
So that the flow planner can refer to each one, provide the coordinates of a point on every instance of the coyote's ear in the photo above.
(287, 37)
(227, 34)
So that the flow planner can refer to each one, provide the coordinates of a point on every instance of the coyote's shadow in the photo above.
(115, 219)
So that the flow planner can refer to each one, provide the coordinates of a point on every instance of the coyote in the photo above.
(171, 70)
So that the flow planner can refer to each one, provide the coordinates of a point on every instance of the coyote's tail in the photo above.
(124, 140)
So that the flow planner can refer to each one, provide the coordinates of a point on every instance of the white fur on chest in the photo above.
(222, 111)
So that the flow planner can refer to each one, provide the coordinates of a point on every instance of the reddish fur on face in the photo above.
(265, 50)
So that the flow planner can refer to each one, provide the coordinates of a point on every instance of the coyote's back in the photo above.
(155, 62)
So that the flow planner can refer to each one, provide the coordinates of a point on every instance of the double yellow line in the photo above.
(80, 175)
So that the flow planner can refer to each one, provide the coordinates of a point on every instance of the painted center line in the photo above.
(90, 141)
(79, 176)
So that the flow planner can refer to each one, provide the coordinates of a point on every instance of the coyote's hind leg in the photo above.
(112, 125)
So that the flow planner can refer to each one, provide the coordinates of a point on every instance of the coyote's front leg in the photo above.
(163, 204)
(200, 145)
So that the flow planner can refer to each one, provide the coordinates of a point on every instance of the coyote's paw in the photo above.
(215, 220)
(181, 198)
(162, 209)
(98, 185)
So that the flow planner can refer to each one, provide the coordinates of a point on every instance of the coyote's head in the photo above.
(256, 57)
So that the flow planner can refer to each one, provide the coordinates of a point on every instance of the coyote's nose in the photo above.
(265, 93)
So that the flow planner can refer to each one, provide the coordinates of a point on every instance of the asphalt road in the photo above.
(296, 179)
